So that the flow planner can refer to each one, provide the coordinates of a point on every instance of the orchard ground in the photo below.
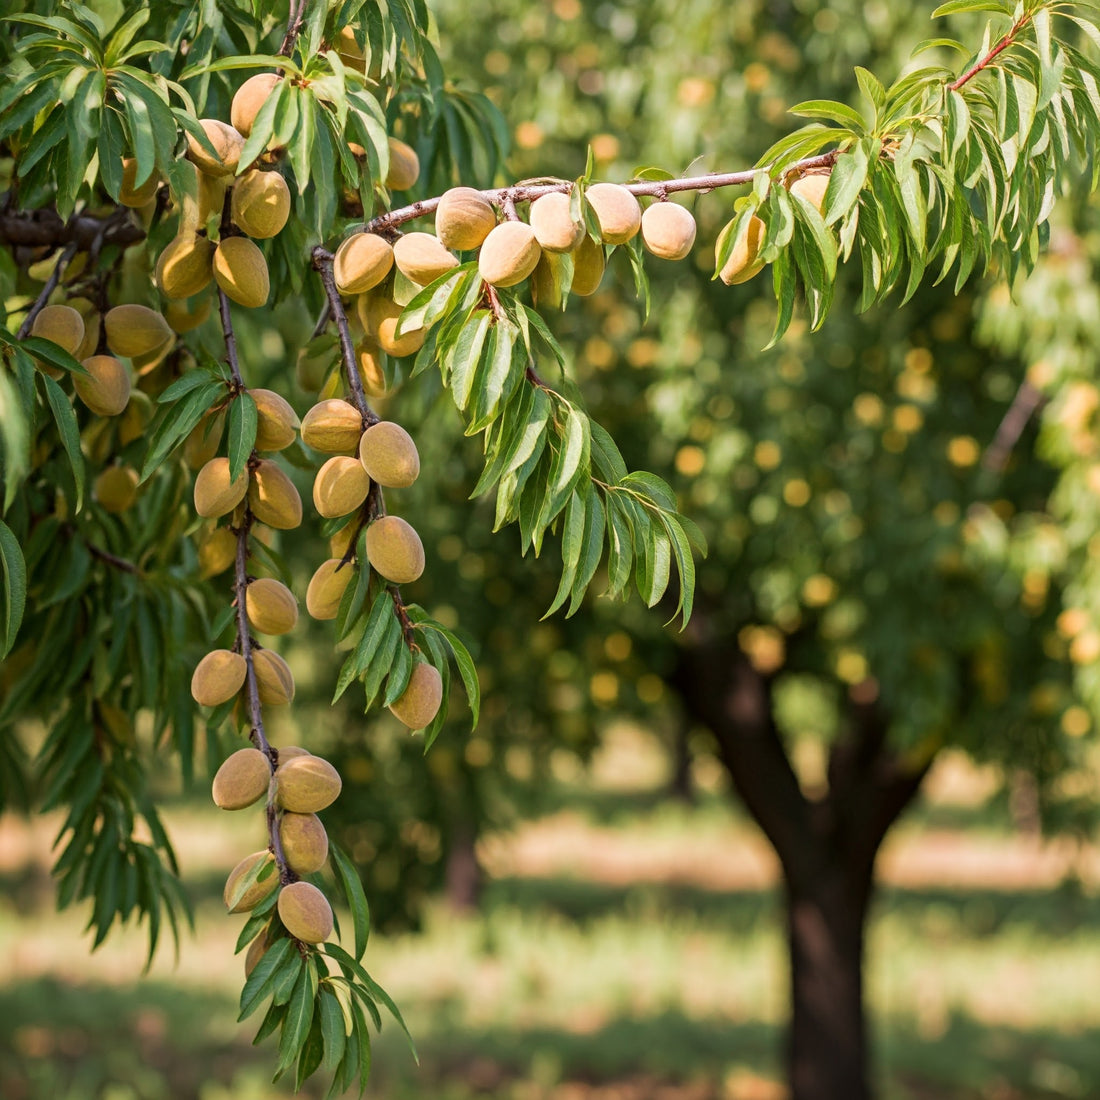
(629, 948)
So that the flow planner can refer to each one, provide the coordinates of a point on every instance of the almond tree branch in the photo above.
(47, 290)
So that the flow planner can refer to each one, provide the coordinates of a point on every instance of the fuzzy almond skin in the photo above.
(185, 316)
(215, 494)
(332, 427)
(241, 271)
(260, 204)
(394, 550)
(380, 315)
(389, 455)
(128, 194)
(105, 389)
(257, 891)
(307, 784)
(242, 779)
(812, 188)
(248, 100)
(218, 677)
(227, 143)
(617, 210)
(274, 680)
(305, 912)
(289, 752)
(419, 703)
(185, 266)
(61, 325)
(276, 421)
(256, 951)
(217, 552)
(305, 842)
(668, 230)
(202, 442)
(422, 257)
(273, 498)
(464, 218)
(134, 330)
(588, 267)
(271, 606)
(326, 588)
(340, 487)
(361, 262)
(116, 488)
(197, 205)
(744, 261)
(404, 166)
(510, 253)
(554, 227)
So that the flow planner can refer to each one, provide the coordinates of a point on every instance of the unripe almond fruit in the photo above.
(389, 455)
(617, 211)
(135, 418)
(215, 494)
(185, 266)
(248, 100)
(305, 842)
(305, 912)
(92, 324)
(185, 316)
(131, 195)
(135, 330)
(380, 315)
(105, 389)
(255, 893)
(61, 325)
(227, 143)
(394, 550)
(744, 261)
(202, 442)
(419, 703)
(326, 588)
(332, 427)
(242, 779)
(340, 543)
(510, 253)
(217, 552)
(404, 166)
(553, 224)
(307, 784)
(340, 487)
(274, 680)
(369, 361)
(260, 204)
(241, 271)
(204, 200)
(276, 421)
(464, 218)
(812, 188)
(273, 498)
(256, 951)
(422, 257)
(218, 677)
(271, 606)
(546, 281)
(361, 262)
(289, 752)
(668, 230)
(116, 488)
(588, 267)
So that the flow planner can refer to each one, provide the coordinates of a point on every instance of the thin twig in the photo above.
(1027, 400)
(989, 58)
(230, 340)
(293, 27)
(47, 290)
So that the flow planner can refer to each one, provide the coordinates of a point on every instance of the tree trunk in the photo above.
(826, 848)
(827, 1042)
(463, 872)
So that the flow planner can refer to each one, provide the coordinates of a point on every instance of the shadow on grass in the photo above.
(155, 1041)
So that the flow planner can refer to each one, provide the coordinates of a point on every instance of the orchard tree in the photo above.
(149, 150)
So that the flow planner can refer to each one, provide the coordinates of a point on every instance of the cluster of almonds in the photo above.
(297, 789)
(744, 261)
(509, 251)
(385, 454)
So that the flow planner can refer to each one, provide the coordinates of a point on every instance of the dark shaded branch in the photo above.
(230, 340)
(293, 26)
(47, 290)
(45, 228)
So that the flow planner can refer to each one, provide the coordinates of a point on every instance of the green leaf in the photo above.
(841, 113)
(262, 979)
(178, 421)
(591, 548)
(352, 886)
(67, 428)
(15, 588)
(467, 670)
(242, 432)
(299, 1015)
(332, 1028)
(954, 7)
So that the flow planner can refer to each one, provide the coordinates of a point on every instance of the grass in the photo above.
(627, 948)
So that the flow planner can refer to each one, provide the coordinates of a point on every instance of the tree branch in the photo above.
(1024, 405)
(993, 53)
(45, 228)
(47, 290)
(293, 27)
